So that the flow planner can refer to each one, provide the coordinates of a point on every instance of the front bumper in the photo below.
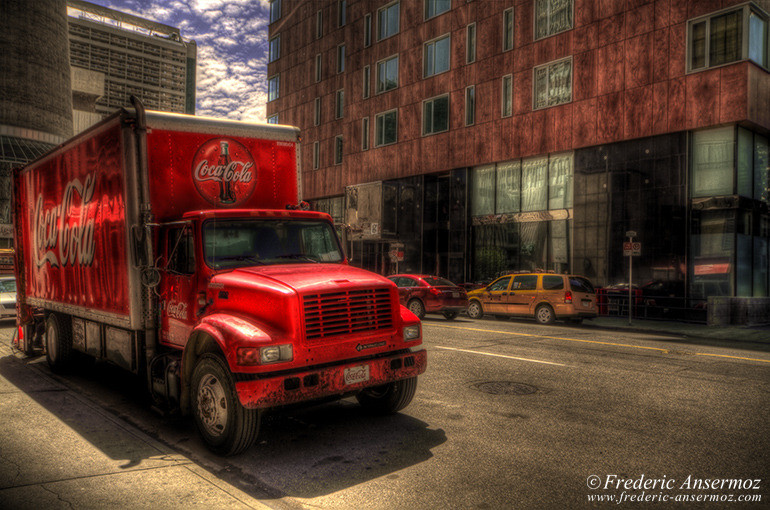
(329, 381)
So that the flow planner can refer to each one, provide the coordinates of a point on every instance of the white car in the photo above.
(7, 297)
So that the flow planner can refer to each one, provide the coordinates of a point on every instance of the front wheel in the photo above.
(474, 310)
(58, 342)
(224, 424)
(416, 307)
(388, 398)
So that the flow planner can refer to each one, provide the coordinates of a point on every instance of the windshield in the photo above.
(253, 242)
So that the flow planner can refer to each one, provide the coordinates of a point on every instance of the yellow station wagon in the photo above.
(544, 296)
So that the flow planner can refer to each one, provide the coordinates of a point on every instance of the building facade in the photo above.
(522, 134)
(127, 55)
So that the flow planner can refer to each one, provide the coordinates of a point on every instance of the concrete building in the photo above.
(127, 55)
(513, 135)
(35, 97)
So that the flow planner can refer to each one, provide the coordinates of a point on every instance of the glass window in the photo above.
(761, 168)
(342, 13)
(367, 30)
(181, 251)
(387, 74)
(316, 155)
(508, 187)
(339, 104)
(745, 179)
(553, 84)
(470, 105)
(470, 43)
(436, 281)
(436, 7)
(387, 21)
(524, 282)
(273, 119)
(319, 24)
(712, 162)
(552, 17)
(760, 266)
(560, 182)
(534, 241)
(698, 45)
(501, 284)
(275, 10)
(338, 150)
(386, 128)
(483, 190)
(273, 86)
(436, 56)
(507, 92)
(365, 134)
(534, 184)
(367, 79)
(317, 112)
(758, 39)
(318, 68)
(341, 58)
(508, 29)
(435, 115)
(274, 49)
(713, 253)
(553, 282)
(580, 284)
(725, 38)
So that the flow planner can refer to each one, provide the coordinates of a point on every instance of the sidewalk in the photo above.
(755, 334)
(59, 450)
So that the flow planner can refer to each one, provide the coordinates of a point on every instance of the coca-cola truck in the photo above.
(176, 247)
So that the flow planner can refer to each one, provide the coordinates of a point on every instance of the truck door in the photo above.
(178, 286)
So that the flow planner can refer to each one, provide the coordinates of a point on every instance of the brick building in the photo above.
(498, 135)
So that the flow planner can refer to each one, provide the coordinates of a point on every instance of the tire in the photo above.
(475, 311)
(226, 427)
(450, 316)
(544, 314)
(58, 342)
(416, 307)
(389, 398)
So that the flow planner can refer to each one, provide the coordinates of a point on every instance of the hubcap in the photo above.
(544, 314)
(473, 310)
(415, 308)
(212, 405)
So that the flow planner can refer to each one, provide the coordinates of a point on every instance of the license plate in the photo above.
(455, 294)
(355, 375)
(586, 304)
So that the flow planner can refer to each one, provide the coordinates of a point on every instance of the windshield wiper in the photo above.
(242, 258)
(298, 256)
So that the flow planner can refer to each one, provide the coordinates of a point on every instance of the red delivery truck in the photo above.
(177, 247)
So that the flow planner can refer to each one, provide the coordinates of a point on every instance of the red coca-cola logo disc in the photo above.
(224, 172)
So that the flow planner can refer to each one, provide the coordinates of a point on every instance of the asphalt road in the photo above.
(509, 414)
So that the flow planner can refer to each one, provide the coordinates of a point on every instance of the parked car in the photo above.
(423, 294)
(543, 296)
(7, 297)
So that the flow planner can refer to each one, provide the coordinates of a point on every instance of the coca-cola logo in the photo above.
(63, 233)
(224, 172)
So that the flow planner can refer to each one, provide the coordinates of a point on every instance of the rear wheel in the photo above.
(544, 314)
(224, 424)
(416, 307)
(450, 316)
(58, 342)
(388, 398)
(474, 310)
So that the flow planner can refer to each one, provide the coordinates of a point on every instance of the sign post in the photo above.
(631, 249)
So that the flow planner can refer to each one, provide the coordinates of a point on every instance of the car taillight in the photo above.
(435, 291)
(568, 296)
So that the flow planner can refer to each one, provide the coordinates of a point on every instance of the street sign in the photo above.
(632, 249)
(631, 233)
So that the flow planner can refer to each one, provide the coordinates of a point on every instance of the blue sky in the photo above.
(232, 49)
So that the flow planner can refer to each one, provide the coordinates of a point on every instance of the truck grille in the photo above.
(354, 311)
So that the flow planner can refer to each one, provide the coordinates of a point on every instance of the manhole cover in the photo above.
(505, 388)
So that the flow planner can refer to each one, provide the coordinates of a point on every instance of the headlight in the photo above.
(412, 332)
(265, 355)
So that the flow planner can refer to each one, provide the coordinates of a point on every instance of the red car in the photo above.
(423, 294)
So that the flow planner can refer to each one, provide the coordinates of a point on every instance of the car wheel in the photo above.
(226, 427)
(474, 310)
(544, 314)
(416, 307)
(450, 316)
(389, 398)
(58, 342)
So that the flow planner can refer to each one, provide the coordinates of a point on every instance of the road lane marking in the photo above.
(659, 349)
(500, 356)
